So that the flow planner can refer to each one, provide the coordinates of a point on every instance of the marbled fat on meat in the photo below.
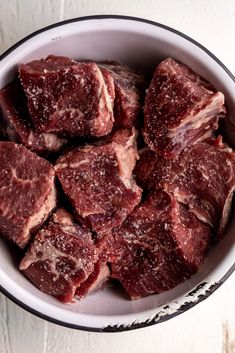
(16, 125)
(160, 245)
(66, 97)
(187, 174)
(129, 94)
(98, 180)
(181, 109)
(27, 192)
(202, 177)
(61, 257)
(109, 81)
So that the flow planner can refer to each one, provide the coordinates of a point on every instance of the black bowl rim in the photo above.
(213, 287)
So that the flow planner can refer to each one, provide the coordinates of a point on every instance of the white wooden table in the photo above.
(208, 327)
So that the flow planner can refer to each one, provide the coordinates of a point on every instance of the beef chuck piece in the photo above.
(98, 180)
(67, 98)
(16, 125)
(61, 257)
(95, 281)
(129, 93)
(160, 245)
(201, 177)
(180, 109)
(27, 192)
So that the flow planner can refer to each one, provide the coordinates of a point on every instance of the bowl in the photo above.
(141, 44)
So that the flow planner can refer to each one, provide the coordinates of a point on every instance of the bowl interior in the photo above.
(143, 45)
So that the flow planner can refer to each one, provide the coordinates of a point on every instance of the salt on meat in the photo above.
(67, 98)
(181, 109)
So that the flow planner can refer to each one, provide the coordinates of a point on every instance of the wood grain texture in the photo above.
(19, 18)
(208, 327)
(19, 331)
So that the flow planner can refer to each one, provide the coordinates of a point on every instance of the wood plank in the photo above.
(4, 325)
(21, 17)
(201, 329)
(20, 332)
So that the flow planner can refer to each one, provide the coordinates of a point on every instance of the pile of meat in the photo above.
(106, 177)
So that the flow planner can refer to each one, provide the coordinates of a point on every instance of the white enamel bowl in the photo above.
(142, 44)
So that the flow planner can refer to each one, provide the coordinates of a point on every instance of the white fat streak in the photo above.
(71, 165)
(105, 99)
(53, 142)
(30, 138)
(75, 111)
(126, 158)
(187, 200)
(228, 202)
(202, 117)
(50, 254)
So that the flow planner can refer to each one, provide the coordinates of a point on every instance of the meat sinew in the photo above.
(160, 245)
(202, 177)
(98, 180)
(66, 97)
(181, 109)
(27, 192)
(129, 94)
(61, 257)
(16, 125)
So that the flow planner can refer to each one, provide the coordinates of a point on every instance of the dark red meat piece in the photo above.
(66, 97)
(160, 245)
(202, 177)
(180, 109)
(61, 257)
(95, 281)
(98, 180)
(27, 192)
(129, 94)
(16, 125)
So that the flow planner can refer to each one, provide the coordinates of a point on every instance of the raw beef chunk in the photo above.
(180, 109)
(98, 180)
(95, 281)
(129, 93)
(66, 97)
(27, 192)
(202, 177)
(160, 245)
(16, 125)
(61, 257)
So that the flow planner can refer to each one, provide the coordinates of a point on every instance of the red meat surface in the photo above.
(160, 245)
(66, 97)
(16, 125)
(61, 257)
(95, 281)
(129, 94)
(202, 177)
(27, 192)
(181, 109)
(98, 180)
